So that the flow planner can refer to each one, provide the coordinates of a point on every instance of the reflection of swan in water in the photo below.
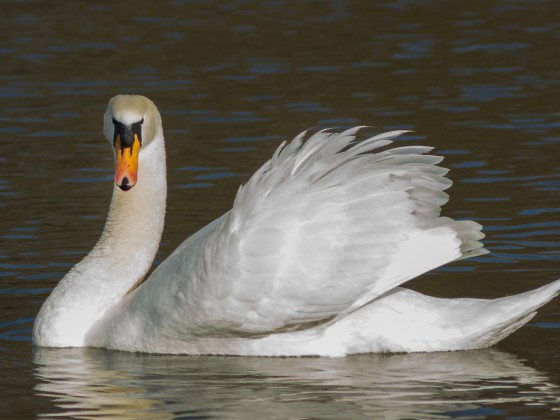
(307, 262)
(85, 385)
(90, 383)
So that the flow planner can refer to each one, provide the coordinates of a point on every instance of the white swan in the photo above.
(307, 262)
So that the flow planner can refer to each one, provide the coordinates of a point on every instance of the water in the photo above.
(463, 385)
(477, 80)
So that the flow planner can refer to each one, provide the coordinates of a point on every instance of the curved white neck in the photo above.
(120, 259)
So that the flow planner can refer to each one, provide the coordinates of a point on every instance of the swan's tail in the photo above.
(511, 312)
(406, 321)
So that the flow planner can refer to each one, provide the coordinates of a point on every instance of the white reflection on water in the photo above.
(89, 383)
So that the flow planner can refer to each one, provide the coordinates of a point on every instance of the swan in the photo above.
(308, 262)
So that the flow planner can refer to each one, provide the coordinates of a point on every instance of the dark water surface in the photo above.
(480, 81)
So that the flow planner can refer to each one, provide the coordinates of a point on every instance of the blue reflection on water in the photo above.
(547, 325)
(536, 212)
(476, 412)
(216, 175)
(251, 139)
(195, 185)
(13, 330)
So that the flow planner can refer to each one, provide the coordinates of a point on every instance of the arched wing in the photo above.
(323, 227)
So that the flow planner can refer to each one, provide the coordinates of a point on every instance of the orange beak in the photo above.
(126, 167)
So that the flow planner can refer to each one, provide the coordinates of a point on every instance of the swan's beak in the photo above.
(126, 168)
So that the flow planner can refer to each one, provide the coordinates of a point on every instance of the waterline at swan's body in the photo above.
(307, 262)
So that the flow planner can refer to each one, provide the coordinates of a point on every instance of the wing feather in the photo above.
(325, 226)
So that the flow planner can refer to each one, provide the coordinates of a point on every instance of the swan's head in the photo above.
(131, 122)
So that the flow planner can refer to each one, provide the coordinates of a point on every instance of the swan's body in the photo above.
(307, 262)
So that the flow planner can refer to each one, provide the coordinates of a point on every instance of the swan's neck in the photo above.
(120, 259)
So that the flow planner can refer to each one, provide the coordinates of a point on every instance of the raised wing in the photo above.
(322, 228)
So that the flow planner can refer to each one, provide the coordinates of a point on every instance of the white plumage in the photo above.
(307, 262)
